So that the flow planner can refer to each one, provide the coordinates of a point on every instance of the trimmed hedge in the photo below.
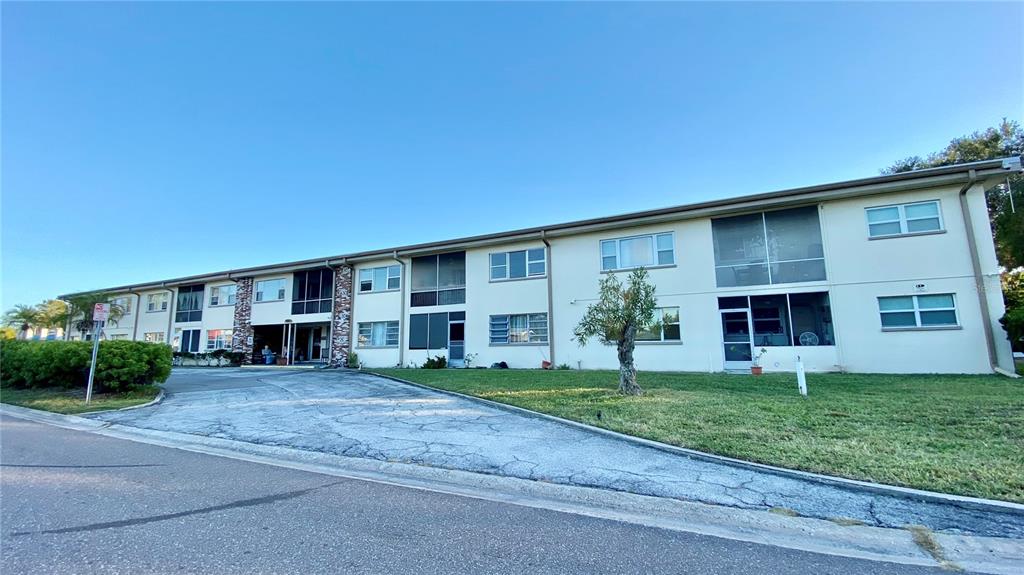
(120, 364)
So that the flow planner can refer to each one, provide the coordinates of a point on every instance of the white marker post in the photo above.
(99, 315)
(801, 380)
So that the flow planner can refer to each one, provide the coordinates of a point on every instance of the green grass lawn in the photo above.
(955, 434)
(73, 400)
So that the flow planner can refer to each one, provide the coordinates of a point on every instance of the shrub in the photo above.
(564, 366)
(437, 362)
(1013, 323)
(352, 359)
(120, 364)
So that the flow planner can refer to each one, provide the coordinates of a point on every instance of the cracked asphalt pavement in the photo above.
(356, 414)
(79, 502)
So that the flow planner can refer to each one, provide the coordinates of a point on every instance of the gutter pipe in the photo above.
(401, 316)
(551, 305)
(170, 312)
(979, 278)
(138, 312)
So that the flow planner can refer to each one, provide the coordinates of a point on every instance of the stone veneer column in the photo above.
(341, 316)
(243, 320)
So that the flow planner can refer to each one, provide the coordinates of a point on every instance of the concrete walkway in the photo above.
(359, 415)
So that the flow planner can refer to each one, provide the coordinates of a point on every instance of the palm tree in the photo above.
(22, 317)
(53, 314)
(79, 311)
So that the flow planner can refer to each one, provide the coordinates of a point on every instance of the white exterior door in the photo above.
(737, 338)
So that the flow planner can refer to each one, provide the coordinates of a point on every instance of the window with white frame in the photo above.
(223, 295)
(913, 311)
(270, 290)
(125, 303)
(218, 339)
(518, 264)
(378, 334)
(154, 337)
(384, 278)
(519, 329)
(156, 302)
(667, 328)
(904, 219)
(637, 251)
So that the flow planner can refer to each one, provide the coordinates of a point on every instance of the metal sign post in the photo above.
(99, 316)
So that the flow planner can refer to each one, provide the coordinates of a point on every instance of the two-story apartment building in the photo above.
(887, 274)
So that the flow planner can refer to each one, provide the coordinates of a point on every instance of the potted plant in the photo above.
(755, 366)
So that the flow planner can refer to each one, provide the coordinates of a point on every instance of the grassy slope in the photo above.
(956, 434)
(73, 401)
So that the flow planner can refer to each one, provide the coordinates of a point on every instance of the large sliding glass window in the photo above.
(439, 280)
(311, 291)
(769, 248)
(430, 330)
(190, 303)
(186, 340)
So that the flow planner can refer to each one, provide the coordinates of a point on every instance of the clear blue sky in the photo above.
(203, 137)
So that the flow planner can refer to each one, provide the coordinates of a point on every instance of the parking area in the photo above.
(356, 414)
(190, 379)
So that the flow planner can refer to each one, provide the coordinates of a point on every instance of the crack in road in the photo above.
(266, 499)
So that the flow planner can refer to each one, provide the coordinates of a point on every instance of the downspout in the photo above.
(401, 313)
(138, 312)
(170, 313)
(551, 305)
(979, 279)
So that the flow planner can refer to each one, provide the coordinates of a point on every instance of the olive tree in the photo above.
(619, 314)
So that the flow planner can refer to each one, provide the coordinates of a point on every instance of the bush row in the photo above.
(119, 365)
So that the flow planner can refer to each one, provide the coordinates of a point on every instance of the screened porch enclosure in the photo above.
(292, 343)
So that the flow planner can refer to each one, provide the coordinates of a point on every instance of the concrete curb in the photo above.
(852, 484)
(159, 397)
(993, 555)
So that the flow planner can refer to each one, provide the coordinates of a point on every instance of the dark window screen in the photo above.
(418, 331)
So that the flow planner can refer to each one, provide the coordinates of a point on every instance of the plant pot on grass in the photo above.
(755, 362)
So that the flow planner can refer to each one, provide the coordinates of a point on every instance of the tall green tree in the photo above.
(1004, 140)
(22, 318)
(619, 314)
(53, 314)
(79, 311)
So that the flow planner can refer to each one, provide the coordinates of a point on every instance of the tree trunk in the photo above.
(627, 370)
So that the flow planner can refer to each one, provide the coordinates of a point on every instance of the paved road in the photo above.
(75, 502)
(360, 415)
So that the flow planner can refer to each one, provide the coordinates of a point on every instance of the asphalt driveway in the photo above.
(356, 414)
